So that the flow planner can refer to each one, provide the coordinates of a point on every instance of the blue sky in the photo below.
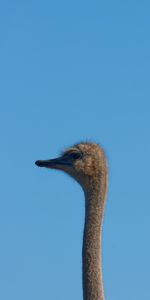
(71, 71)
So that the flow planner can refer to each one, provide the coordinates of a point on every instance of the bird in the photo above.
(86, 163)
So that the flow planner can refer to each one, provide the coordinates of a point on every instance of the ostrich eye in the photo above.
(75, 155)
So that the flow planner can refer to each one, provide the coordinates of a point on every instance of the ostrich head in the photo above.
(83, 162)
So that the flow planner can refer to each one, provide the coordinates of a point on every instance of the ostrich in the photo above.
(86, 163)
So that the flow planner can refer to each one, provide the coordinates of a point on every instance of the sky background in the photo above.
(72, 71)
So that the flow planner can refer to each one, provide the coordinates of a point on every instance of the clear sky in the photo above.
(72, 71)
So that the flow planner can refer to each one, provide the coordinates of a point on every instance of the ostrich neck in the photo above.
(91, 252)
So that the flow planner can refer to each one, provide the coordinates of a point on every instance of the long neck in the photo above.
(91, 252)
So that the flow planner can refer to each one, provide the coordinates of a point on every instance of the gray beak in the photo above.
(56, 163)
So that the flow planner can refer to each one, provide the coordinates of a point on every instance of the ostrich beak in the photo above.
(56, 163)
